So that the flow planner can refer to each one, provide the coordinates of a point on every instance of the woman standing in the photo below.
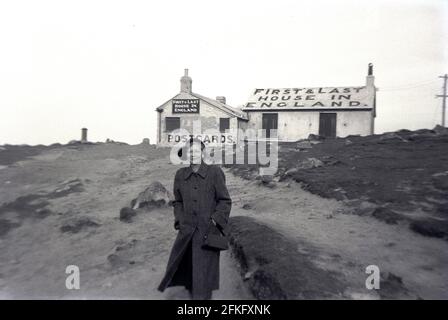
(200, 199)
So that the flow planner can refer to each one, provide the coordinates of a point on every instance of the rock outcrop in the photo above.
(155, 195)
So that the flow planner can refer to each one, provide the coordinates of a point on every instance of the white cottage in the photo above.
(181, 111)
(294, 113)
(327, 111)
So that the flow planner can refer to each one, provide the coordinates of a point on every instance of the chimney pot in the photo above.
(221, 99)
(186, 82)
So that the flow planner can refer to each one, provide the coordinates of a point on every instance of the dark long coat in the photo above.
(197, 198)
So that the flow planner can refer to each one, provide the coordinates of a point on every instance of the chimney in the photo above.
(221, 99)
(370, 79)
(370, 71)
(84, 135)
(185, 82)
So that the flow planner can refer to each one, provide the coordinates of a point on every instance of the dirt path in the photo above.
(346, 244)
(69, 216)
(81, 227)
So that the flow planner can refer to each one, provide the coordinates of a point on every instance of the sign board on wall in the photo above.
(310, 98)
(185, 105)
(206, 138)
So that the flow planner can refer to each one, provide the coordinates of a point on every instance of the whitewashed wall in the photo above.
(296, 125)
(208, 115)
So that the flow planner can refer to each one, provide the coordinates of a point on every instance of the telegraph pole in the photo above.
(444, 95)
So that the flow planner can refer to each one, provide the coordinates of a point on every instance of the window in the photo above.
(172, 123)
(224, 124)
(269, 122)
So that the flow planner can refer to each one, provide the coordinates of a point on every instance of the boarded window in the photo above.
(172, 123)
(269, 122)
(224, 124)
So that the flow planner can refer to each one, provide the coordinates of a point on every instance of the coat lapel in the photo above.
(202, 172)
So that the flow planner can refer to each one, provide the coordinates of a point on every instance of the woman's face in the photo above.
(195, 153)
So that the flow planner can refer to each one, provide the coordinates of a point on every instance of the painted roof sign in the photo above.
(310, 98)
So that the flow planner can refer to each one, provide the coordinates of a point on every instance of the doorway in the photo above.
(327, 125)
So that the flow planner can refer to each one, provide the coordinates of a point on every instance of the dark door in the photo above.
(270, 121)
(327, 125)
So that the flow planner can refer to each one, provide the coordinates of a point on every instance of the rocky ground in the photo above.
(379, 200)
(60, 206)
(332, 209)
(396, 177)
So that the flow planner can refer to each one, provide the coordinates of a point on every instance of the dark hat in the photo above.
(189, 143)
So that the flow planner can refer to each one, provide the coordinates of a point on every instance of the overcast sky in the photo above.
(106, 65)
